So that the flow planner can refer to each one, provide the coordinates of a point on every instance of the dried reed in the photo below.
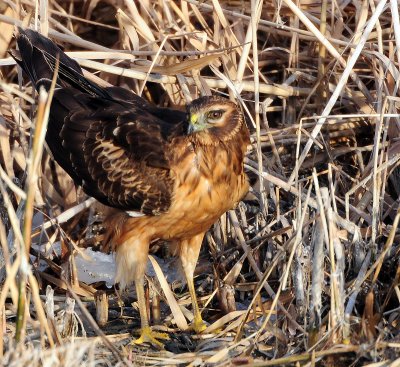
(305, 271)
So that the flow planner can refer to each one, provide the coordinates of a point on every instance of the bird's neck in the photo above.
(229, 154)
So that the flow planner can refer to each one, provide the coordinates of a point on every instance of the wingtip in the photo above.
(18, 31)
(15, 54)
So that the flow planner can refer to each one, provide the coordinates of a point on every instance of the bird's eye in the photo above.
(215, 115)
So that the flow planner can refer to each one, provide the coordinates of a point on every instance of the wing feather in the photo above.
(119, 153)
(109, 140)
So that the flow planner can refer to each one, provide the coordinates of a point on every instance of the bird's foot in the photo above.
(150, 336)
(198, 325)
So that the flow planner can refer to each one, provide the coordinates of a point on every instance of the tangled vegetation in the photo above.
(305, 271)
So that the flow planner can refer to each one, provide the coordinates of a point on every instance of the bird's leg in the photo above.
(131, 261)
(147, 335)
(189, 253)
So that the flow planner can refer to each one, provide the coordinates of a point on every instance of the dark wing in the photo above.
(109, 140)
(117, 152)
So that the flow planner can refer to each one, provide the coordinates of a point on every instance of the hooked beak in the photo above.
(195, 123)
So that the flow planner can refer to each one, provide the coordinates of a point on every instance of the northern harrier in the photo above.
(163, 173)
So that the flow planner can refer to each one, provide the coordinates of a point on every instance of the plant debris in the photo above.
(305, 271)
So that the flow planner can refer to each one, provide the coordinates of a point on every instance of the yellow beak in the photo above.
(194, 118)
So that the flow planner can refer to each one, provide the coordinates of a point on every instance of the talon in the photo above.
(198, 325)
(149, 336)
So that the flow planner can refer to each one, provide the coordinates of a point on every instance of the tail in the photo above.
(37, 57)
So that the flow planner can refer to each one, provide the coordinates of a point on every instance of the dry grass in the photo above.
(306, 270)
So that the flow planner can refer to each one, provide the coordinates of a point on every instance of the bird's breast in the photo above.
(206, 186)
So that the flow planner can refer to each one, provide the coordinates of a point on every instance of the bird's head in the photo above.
(212, 119)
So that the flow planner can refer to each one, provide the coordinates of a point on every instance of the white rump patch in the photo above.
(134, 214)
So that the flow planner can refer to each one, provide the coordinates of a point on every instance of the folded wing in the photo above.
(109, 140)
(118, 153)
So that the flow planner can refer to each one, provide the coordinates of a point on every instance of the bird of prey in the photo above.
(162, 173)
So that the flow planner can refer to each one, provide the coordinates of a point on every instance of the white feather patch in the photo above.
(134, 214)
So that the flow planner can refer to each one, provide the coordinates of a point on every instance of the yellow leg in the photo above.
(198, 324)
(131, 260)
(147, 335)
(189, 253)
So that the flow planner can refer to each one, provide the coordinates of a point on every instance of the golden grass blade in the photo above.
(127, 26)
(283, 91)
(343, 79)
(141, 24)
(7, 32)
(184, 66)
(32, 177)
(222, 321)
(5, 150)
(44, 17)
(175, 309)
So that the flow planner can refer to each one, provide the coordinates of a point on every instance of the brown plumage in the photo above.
(164, 174)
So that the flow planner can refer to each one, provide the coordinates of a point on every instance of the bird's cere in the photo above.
(194, 118)
(197, 123)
